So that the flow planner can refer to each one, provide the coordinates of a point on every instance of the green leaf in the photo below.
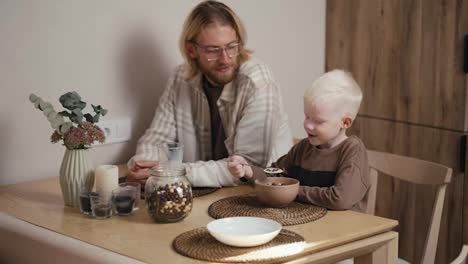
(76, 116)
(46, 108)
(52, 113)
(52, 116)
(99, 110)
(47, 111)
(95, 108)
(64, 113)
(71, 101)
(89, 118)
(77, 112)
(55, 123)
(65, 127)
(36, 104)
(43, 105)
(33, 98)
(96, 118)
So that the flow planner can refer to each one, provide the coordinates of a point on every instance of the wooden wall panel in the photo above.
(412, 204)
(407, 56)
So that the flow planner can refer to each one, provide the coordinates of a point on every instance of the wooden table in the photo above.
(338, 235)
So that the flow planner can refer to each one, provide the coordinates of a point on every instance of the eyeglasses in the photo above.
(213, 53)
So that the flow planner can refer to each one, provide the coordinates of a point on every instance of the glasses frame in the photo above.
(216, 52)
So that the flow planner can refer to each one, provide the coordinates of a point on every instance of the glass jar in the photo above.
(168, 194)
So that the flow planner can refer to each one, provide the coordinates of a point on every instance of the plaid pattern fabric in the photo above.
(252, 114)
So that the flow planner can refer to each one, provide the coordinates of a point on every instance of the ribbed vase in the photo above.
(76, 171)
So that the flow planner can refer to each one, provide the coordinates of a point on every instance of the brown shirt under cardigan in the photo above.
(218, 136)
(335, 178)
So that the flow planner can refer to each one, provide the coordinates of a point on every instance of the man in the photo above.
(218, 104)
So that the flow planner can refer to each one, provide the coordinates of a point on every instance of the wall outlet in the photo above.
(116, 130)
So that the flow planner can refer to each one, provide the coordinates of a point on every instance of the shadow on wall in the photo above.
(144, 73)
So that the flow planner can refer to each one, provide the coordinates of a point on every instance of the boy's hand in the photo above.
(238, 167)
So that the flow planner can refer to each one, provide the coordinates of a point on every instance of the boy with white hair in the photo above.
(332, 168)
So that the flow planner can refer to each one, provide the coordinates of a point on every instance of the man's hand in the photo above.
(238, 167)
(141, 171)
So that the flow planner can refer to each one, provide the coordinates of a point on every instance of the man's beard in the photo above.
(220, 79)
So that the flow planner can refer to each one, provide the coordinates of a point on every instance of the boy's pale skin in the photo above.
(325, 127)
(218, 72)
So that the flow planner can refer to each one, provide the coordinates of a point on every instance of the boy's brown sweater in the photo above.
(335, 178)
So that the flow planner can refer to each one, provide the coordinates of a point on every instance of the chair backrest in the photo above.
(461, 259)
(414, 171)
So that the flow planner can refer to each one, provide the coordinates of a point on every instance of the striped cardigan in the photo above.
(252, 114)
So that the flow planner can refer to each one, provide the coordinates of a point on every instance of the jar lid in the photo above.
(169, 170)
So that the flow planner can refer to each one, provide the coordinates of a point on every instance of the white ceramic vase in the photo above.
(76, 171)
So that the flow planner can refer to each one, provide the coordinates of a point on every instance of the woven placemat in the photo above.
(200, 191)
(248, 205)
(199, 244)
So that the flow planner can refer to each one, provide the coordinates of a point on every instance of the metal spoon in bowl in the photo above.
(272, 171)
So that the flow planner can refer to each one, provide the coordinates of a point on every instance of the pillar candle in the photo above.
(106, 178)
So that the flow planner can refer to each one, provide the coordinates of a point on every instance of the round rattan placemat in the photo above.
(248, 205)
(200, 191)
(199, 244)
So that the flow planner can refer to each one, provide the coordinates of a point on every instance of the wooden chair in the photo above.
(414, 171)
(461, 259)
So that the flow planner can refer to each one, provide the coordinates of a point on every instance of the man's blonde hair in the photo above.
(336, 87)
(204, 14)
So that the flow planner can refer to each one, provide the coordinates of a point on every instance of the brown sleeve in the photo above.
(286, 161)
(350, 187)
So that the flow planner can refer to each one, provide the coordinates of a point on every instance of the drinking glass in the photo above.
(124, 198)
(85, 201)
(170, 154)
(101, 205)
(138, 188)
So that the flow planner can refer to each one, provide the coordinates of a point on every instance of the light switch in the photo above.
(116, 130)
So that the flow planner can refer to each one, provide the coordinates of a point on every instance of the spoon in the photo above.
(271, 171)
(267, 170)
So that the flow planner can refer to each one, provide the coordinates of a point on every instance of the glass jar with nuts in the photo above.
(168, 194)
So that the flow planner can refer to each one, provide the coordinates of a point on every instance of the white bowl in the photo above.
(244, 231)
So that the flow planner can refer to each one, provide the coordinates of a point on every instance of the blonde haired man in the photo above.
(219, 103)
(332, 168)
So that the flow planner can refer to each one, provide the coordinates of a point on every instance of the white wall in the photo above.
(119, 54)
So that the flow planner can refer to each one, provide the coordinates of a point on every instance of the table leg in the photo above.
(378, 249)
(386, 254)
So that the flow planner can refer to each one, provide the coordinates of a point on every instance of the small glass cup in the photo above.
(170, 154)
(124, 198)
(101, 205)
(85, 201)
(137, 187)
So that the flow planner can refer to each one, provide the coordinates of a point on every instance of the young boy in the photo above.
(332, 168)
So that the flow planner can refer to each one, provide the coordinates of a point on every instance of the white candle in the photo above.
(106, 178)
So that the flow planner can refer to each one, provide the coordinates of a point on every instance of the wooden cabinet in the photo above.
(407, 56)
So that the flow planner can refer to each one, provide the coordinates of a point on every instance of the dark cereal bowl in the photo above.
(276, 191)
